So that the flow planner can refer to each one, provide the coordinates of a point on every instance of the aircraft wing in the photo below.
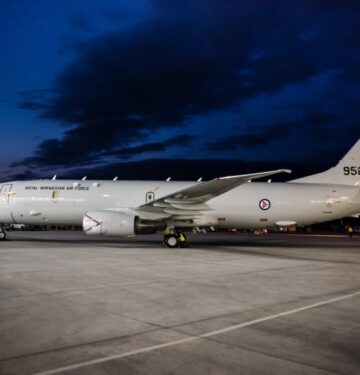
(190, 201)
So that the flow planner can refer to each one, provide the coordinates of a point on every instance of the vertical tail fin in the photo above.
(346, 172)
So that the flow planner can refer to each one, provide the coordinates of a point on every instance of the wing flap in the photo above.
(191, 206)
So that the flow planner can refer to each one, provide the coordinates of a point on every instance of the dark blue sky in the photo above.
(145, 89)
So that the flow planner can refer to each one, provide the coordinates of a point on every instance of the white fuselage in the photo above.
(66, 202)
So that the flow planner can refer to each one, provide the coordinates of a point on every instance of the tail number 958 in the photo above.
(354, 171)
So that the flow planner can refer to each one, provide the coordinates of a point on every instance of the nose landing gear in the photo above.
(2, 234)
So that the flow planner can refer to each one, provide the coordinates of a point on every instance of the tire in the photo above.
(171, 241)
(2, 236)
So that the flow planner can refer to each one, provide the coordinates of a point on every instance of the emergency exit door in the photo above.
(5, 194)
(150, 196)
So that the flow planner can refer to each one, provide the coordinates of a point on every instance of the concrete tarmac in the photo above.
(230, 304)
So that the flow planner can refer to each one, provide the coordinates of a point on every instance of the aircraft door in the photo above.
(5, 194)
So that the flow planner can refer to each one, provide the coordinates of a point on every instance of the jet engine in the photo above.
(115, 223)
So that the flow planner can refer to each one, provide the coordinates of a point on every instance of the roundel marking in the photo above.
(264, 204)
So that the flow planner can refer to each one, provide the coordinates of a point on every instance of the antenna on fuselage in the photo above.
(199, 179)
(168, 179)
(84, 178)
(54, 177)
(115, 178)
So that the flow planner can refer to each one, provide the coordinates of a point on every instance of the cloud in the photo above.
(269, 134)
(35, 99)
(80, 22)
(190, 58)
(128, 152)
(312, 124)
(319, 118)
(52, 152)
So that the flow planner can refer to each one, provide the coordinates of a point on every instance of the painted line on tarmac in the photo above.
(194, 338)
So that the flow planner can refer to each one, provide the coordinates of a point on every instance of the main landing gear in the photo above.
(174, 239)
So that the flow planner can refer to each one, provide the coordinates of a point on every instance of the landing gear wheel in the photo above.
(2, 236)
(171, 241)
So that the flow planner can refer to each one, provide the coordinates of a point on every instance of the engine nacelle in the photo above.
(109, 223)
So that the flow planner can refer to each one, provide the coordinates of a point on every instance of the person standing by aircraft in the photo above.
(350, 231)
(182, 240)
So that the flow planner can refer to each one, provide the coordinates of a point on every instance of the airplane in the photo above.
(128, 208)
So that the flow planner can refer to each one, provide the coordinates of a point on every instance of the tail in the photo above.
(346, 172)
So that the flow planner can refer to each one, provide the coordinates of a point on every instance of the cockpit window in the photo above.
(5, 188)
